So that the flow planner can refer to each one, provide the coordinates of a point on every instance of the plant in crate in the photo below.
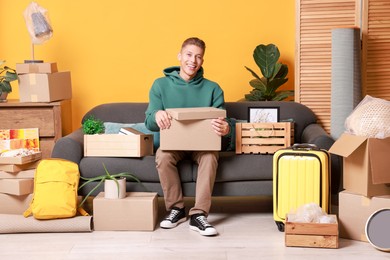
(118, 181)
(274, 75)
(93, 126)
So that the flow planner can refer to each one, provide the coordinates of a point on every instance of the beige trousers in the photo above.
(166, 163)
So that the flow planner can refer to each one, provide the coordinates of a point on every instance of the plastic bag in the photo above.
(38, 23)
(370, 118)
(311, 213)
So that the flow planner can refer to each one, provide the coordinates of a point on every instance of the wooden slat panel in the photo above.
(315, 21)
(376, 48)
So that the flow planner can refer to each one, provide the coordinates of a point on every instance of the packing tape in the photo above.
(365, 201)
(32, 79)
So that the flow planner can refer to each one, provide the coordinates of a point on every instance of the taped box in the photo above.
(118, 145)
(322, 235)
(39, 67)
(45, 87)
(263, 138)
(137, 211)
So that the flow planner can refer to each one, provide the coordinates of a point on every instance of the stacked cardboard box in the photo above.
(41, 82)
(365, 180)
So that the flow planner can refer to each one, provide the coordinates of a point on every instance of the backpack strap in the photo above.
(27, 212)
(82, 211)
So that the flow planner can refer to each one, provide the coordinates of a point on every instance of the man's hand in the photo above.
(163, 119)
(220, 126)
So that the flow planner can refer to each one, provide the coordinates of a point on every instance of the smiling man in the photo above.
(185, 86)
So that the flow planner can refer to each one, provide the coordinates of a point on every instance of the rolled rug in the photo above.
(11, 223)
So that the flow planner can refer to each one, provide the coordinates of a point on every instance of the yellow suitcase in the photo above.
(301, 175)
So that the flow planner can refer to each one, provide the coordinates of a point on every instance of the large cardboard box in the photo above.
(138, 211)
(25, 174)
(39, 67)
(354, 211)
(35, 87)
(366, 165)
(323, 235)
(12, 204)
(191, 130)
(17, 186)
(117, 145)
(15, 168)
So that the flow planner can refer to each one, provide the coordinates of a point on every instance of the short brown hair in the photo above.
(194, 41)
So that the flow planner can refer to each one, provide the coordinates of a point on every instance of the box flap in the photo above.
(346, 144)
(193, 113)
(378, 155)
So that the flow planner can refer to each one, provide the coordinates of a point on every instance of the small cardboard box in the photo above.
(365, 164)
(42, 67)
(323, 235)
(21, 159)
(25, 174)
(12, 204)
(354, 211)
(17, 186)
(118, 145)
(191, 130)
(138, 211)
(34, 87)
(263, 138)
(15, 168)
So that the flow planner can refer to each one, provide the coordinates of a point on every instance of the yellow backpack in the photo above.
(55, 190)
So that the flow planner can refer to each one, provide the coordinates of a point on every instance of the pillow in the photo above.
(113, 128)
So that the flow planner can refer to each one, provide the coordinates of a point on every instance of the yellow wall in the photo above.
(115, 49)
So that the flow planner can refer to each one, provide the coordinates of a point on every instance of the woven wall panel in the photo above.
(376, 48)
(315, 21)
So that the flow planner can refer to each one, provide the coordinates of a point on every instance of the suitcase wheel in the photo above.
(280, 226)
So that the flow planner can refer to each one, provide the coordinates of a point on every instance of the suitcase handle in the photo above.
(305, 146)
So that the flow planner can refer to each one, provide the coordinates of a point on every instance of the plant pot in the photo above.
(3, 97)
(111, 189)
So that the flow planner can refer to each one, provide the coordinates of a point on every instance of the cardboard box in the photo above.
(354, 211)
(21, 159)
(36, 87)
(365, 164)
(191, 130)
(26, 174)
(15, 168)
(138, 211)
(263, 138)
(17, 186)
(324, 235)
(12, 204)
(117, 145)
(43, 67)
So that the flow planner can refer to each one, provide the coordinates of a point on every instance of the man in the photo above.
(185, 86)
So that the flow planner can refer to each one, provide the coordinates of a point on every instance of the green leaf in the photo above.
(258, 84)
(283, 95)
(266, 57)
(253, 73)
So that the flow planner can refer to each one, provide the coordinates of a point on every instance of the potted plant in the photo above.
(107, 177)
(274, 75)
(7, 75)
(93, 126)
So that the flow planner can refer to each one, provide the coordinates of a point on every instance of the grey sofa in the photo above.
(238, 174)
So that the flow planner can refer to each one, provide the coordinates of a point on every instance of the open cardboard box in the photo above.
(191, 130)
(366, 164)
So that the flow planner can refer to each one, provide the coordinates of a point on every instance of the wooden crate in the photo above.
(263, 138)
(322, 235)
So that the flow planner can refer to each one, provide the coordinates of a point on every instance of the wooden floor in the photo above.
(246, 231)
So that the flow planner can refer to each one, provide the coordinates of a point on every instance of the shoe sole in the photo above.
(172, 225)
(207, 232)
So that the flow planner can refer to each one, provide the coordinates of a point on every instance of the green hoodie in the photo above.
(172, 91)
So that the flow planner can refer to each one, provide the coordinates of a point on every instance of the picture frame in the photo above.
(263, 114)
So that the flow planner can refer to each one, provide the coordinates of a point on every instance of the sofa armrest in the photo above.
(70, 147)
(315, 134)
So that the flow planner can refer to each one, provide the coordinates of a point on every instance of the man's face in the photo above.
(191, 59)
